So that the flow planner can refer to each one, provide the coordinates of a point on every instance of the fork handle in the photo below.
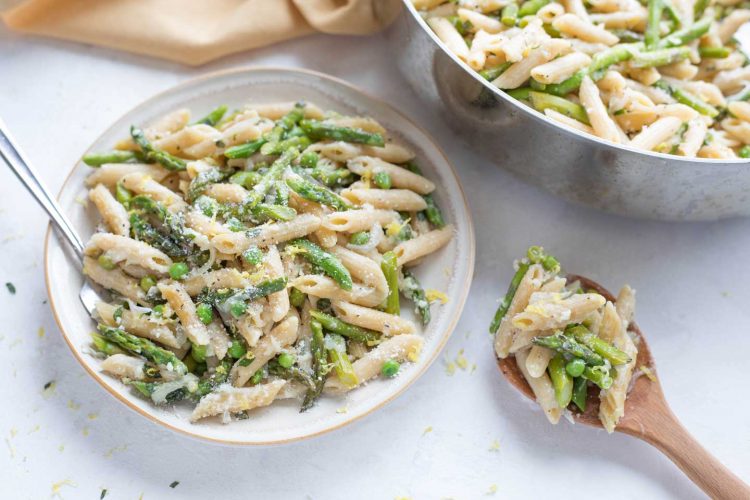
(13, 157)
(665, 432)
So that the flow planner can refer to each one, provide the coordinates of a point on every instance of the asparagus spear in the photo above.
(389, 266)
(224, 303)
(217, 377)
(541, 101)
(142, 347)
(214, 116)
(687, 98)
(244, 150)
(561, 381)
(336, 347)
(292, 373)
(246, 178)
(328, 262)
(316, 193)
(531, 7)
(433, 213)
(204, 179)
(492, 73)
(686, 35)
(269, 178)
(332, 176)
(278, 147)
(714, 52)
(335, 325)
(275, 212)
(566, 345)
(320, 130)
(660, 57)
(412, 289)
(319, 363)
(166, 160)
(104, 346)
(502, 309)
(599, 63)
(652, 33)
(580, 392)
(116, 156)
(509, 17)
(599, 375)
(282, 193)
(598, 345)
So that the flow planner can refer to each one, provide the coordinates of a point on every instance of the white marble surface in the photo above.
(77, 439)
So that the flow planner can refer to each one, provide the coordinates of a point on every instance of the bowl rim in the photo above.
(462, 287)
(544, 119)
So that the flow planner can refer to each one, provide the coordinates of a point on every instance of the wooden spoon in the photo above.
(648, 417)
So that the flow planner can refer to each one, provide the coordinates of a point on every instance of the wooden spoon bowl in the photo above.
(648, 417)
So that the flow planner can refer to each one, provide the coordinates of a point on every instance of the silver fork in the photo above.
(20, 166)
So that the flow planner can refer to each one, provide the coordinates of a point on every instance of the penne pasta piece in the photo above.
(655, 134)
(576, 27)
(400, 177)
(267, 234)
(423, 245)
(115, 280)
(280, 337)
(278, 302)
(110, 174)
(228, 400)
(372, 319)
(325, 288)
(530, 283)
(128, 252)
(179, 300)
(391, 199)
(113, 213)
(537, 360)
(449, 36)
(600, 120)
(542, 388)
(122, 365)
(352, 221)
(142, 325)
(399, 348)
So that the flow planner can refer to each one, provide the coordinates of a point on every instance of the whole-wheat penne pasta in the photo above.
(400, 177)
(399, 348)
(281, 336)
(253, 227)
(128, 252)
(575, 27)
(537, 360)
(227, 399)
(267, 234)
(389, 324)
(542, 388)
(422, 245)
(112, 211)
(655, 134)
(174, 293)
(110, 174)
(391, 199)
(353, 221)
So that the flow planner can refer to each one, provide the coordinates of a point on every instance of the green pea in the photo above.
(147, 282)
(105, 262)
(360, 238)
(744, 152)
(575, 367)
(253, 256)
(257, 377)
(286, 360)
(238, 308)
(245, 179)
(236, 349)
(122, 194)
(382, 180)
(390, 368)
(159, 310)
(296, 297)
(198, 353)
(205, 313)
(309, 159)
(178, 270)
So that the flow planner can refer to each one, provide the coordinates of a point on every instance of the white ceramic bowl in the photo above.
(450, 270)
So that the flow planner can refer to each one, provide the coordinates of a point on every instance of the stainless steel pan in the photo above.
(568, 163)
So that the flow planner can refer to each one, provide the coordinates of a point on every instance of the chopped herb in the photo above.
(11, 288)
(174, 484)
(48, 384)
(103, 494)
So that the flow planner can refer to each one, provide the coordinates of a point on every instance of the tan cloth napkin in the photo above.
(194, 31)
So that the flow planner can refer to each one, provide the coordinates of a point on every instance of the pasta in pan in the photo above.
(658, 75)
(258, 255)
(565, 339)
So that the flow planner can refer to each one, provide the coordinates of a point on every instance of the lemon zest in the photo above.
(435, 296)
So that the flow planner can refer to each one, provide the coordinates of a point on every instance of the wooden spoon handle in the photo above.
(694, 460)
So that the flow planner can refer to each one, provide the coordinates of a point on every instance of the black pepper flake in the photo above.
(11, 287)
